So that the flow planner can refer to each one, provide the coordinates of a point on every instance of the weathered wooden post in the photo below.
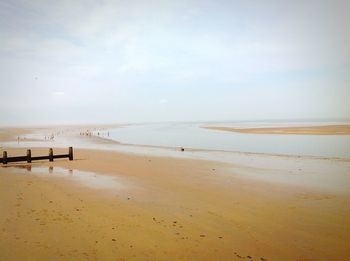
(4, 157)
(29, 156)
(51, 154)
(70, 153)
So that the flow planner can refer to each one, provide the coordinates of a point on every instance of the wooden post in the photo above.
(29, 156)
(4, 157)
(70, 153)
(51, 154)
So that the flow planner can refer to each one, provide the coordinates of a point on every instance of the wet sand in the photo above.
(309, 130)
(171, 209)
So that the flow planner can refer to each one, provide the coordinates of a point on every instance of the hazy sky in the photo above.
(125, 61)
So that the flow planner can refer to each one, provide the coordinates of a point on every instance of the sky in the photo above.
(83, 61)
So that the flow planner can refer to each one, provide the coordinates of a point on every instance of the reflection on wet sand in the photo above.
(27, 167)
(85, 178)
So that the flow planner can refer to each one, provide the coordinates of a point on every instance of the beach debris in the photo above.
(182, 149)
(202, 235)
(113, 239)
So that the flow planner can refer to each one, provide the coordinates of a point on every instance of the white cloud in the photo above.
(116, 54)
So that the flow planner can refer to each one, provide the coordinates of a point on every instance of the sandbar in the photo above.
(304, 130)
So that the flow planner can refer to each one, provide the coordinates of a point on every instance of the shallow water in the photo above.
(165, 139)
(191, 135)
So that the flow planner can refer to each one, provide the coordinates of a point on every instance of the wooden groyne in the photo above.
(28, 158)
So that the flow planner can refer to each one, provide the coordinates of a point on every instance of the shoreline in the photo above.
(101, 140)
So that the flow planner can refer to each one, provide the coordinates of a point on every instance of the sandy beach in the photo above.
(174, 130)
(305, 130)
(171, 209)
